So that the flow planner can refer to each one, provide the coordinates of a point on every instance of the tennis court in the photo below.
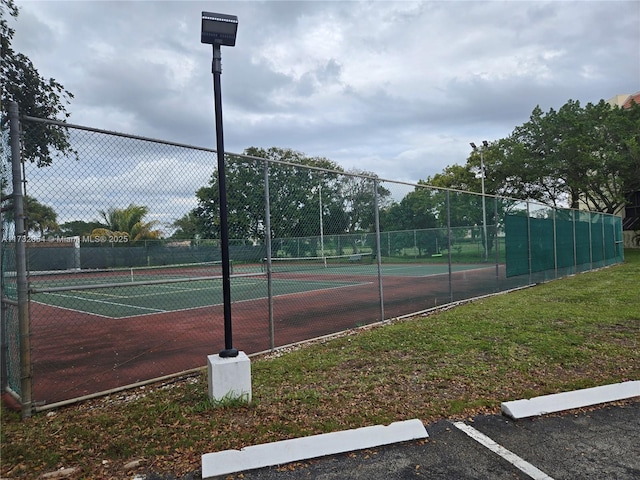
(145, 291)
(119, 302)
(94, 330)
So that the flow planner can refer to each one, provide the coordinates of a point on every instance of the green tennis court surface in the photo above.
(129, 301)
(426, 270)
(134, 300)
(388, 269)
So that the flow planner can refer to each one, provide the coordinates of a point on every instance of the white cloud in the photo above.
(397, 88)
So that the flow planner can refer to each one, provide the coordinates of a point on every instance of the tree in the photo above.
(414, 222)
(35, 95)
(463, 211)
(78, 228)
(576, 154)
(245, 203)
(307, 196)
(613, 171)
(294, 196)
(127, 221)
(533, 159)
(187, 227)
(360, 200)
(41, 219)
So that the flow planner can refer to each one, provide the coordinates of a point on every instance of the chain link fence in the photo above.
(121, 241)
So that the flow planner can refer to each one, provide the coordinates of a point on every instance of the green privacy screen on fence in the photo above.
(516, 245)
(568, 240)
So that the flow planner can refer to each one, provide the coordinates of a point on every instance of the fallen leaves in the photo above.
(457, 364)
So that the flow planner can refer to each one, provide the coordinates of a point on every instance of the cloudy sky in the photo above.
(398, 88)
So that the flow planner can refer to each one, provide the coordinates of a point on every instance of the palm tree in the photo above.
(127, 222)
(41, 218)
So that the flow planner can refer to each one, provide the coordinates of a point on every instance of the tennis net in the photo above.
(298, 264)
(79, 279)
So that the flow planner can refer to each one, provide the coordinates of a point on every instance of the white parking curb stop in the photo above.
(296, 449)
(569, 400)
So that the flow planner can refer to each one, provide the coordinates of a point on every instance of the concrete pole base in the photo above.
(229, 378)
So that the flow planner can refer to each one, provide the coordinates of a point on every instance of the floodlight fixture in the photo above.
(473, 145)
(219, 29)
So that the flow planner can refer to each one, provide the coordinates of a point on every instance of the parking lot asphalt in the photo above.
(602, 442)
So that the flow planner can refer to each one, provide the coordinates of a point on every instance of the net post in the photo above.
(76, 253)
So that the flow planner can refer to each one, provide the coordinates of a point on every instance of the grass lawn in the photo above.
(573, 333)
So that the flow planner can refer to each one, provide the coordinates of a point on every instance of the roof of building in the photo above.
(624, 100)
(631, 98)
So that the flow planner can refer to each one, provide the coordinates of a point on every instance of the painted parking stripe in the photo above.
(509, 456)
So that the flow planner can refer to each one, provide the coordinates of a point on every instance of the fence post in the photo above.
(575, 241)
(529, 252)
(449, 244)
(4, 344)
(376, 208)
(619, 243)
(590, 241)
(21, 263)
(555, 244)
(496, 242)
(267, 260)
(604, 242)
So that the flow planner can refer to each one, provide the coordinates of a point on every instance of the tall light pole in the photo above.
(220, 29)
(485, 245)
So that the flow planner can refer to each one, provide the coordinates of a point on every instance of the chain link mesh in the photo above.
(124, 255)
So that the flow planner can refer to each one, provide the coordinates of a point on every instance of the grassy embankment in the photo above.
(572, 333)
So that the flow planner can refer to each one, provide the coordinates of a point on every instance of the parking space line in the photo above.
(509, 456)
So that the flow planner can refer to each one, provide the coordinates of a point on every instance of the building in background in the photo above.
(624, 101)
